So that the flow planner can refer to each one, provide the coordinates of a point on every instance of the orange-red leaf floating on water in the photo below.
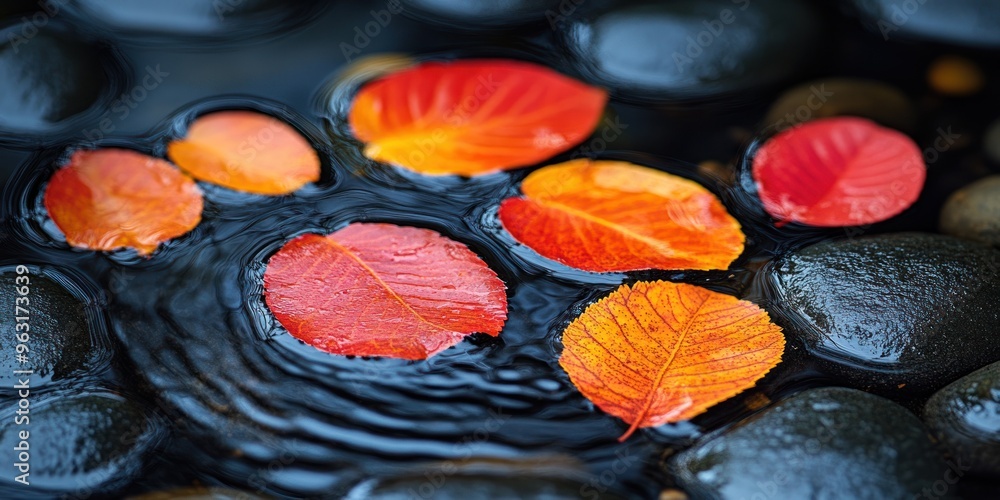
(107, 199)
(473, 117)
(246, 151)
(383, 290)
(840, 171)
(606, 216)
(660, 352)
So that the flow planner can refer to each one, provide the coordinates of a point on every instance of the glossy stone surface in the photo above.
(821, 443)
(692, 48)
(965, 416)
(910, 309)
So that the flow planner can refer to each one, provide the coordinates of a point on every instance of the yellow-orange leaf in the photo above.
(607, 216)
(473, 117)
(112, 198)
(246, 151)
(660, 352)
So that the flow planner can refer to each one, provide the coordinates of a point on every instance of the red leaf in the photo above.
(838, 172)
(383, 290)
(473, 116)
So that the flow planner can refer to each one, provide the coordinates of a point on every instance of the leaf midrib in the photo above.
(648, 401)
(660, 246)
(353, 256)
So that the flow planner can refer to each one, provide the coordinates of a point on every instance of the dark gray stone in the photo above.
(902, 312)
(465, 14)
(59, 336)
(230, 19)
(965, 416)
(692, 48)
(964, 22)
(821, 443)
(47, 77)
(79, 444)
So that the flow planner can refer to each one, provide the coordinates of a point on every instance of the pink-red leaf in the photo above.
(383, 290)
(838, 172)
(473, 117)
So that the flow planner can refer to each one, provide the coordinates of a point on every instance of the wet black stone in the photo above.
(177, 19)
(821, 443)
(965, 416)
(79, 444)
(689, 48)
(888, 310)
(964, 22)
(47, 76)
(465, 14)
(59, 336)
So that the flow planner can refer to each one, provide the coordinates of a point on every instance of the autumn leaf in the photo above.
(660, 352)
(606, 216)
(246, 151)
(383, 290)
(473, 117)
(107, 199)
(838, 172)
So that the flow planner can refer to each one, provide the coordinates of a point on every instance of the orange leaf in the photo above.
(474, 116)
(606, 216)
(112, 198)
(246, 151)
(383, 290)
(661, 352)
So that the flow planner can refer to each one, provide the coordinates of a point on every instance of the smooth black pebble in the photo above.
(78, 444)
(57, 331)
(906, 312)
(965, 416)
(48, 78)
(963, 22)
(821, 443)
(692, 49)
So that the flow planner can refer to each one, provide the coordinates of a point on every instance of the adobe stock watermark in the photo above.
(818, 97)
(464, 450)
(611, 130)
(898, 16)
(253, 143)
(939, 488)
(823, 434)
(600, 483)
(30, 26)
(363, 37)
(944, 141)
(456, 117)
(285, 457)
(96, 482)
(560, 14)
(713, 29)
(122, 107)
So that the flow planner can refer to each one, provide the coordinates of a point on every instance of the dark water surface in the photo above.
(253, 407)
